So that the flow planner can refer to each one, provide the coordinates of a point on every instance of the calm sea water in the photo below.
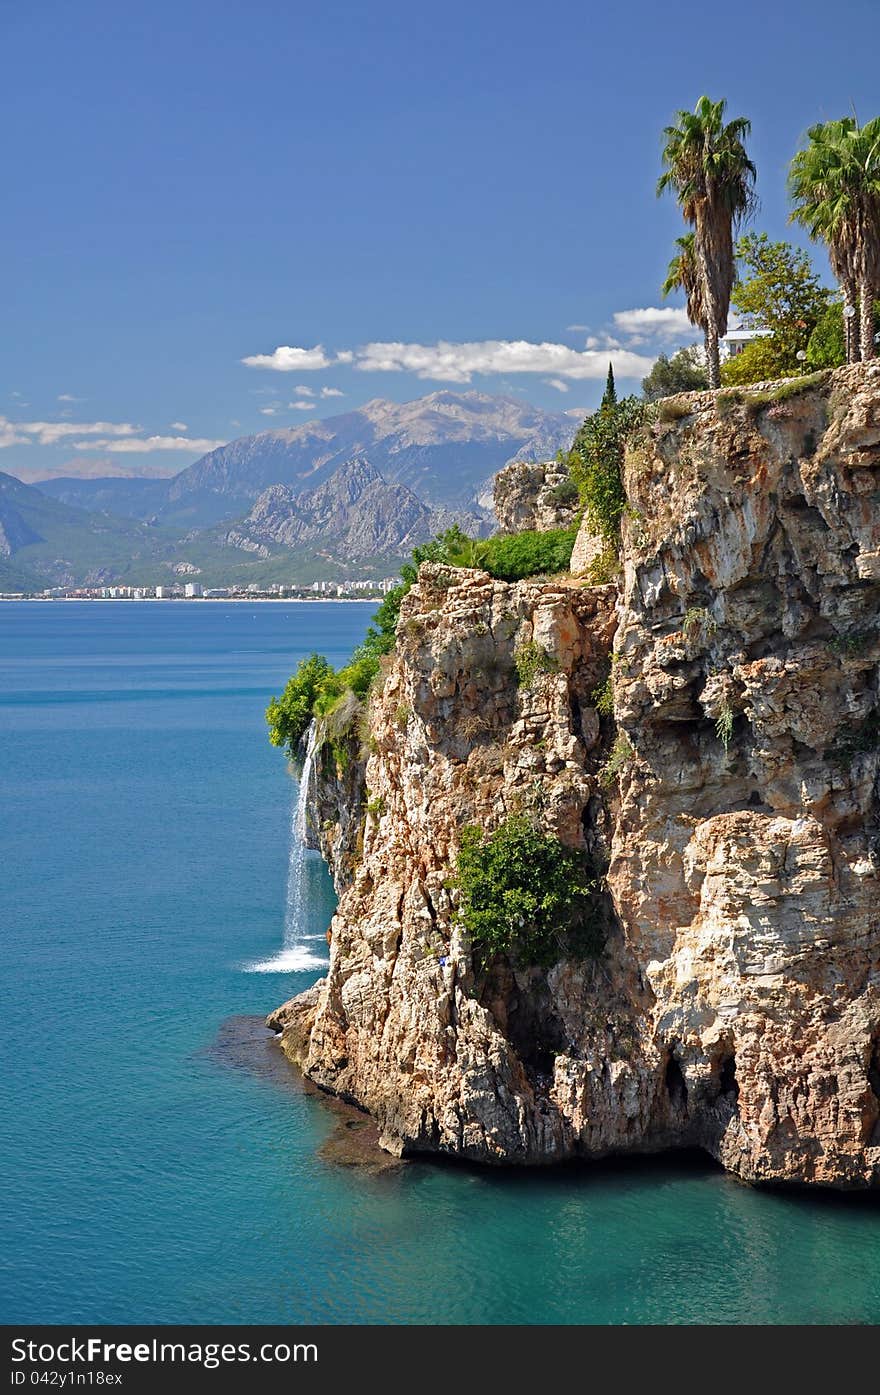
(144, 838)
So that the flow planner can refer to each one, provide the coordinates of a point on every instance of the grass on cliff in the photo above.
(524, 894)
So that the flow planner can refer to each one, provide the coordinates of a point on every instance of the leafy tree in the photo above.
(777, 290)
(290, 715)
(756, 363)
(827, 344)
(834, 184)
(523, 893)
(684, 372)
(596, 464)
(707, 168)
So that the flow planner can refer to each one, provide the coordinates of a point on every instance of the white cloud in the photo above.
(301, 406)
(576, 329)
(68, 397)
(457, 363)
(557, 383)
(143, 445)
(268, 411)
(332, 392)
(11, 436)
(178, 426)
(304, 391)
(288, 359)
(579, 412)
(49, 433)
(652, 321)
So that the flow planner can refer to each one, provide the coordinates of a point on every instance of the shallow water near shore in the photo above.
(158, 1159)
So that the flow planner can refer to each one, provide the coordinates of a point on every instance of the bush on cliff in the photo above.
(515, 556)
(506, 556)
(523, 893)
(289, 716)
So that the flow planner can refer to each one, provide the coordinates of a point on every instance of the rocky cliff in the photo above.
(529, 495)
(732, 801)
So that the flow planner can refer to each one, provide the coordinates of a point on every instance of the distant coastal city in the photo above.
(364, 590)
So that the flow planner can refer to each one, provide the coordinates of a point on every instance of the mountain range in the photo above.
(324, 498)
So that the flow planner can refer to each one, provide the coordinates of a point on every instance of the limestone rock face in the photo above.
(736, 1006)
(744, 860)
(534, 496)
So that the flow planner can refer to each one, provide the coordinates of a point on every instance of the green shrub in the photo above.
(514, 556)
(566, 492)
(529, 660)
(524, 894)
(724, 725)
(699, 622)
(620, 755)
(603, 697)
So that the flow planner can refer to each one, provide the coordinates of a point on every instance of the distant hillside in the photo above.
(444, 447)
(132, 497)
(354, 514)
(50, 543)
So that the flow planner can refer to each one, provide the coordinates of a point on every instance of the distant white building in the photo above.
(192, 589)
(161, 593)
(735, 340)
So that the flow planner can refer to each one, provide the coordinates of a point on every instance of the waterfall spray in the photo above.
(295, 953)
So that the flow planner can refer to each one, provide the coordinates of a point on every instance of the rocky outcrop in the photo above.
(736, 1005)
(540, 496)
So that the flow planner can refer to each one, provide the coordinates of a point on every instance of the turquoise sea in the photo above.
(154, 1166)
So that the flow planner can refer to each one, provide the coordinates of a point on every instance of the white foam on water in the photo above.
(289, 961)
(293, 956)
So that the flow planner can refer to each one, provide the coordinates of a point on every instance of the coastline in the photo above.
(190, 600)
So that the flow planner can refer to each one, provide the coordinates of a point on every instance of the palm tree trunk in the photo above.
(713, 360)
(866, 319)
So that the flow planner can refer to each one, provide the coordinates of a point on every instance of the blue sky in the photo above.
(191, 184)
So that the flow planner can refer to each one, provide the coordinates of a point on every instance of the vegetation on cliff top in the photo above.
(834, 186)
(524, 894)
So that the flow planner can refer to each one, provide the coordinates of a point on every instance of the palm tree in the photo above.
(683, 274)
(834, 183)
(707, 168)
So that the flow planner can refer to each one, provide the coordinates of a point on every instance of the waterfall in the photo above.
(299, 950)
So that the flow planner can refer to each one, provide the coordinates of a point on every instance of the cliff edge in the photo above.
(729, 808)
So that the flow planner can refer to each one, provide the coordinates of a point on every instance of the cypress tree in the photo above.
(609, 398)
